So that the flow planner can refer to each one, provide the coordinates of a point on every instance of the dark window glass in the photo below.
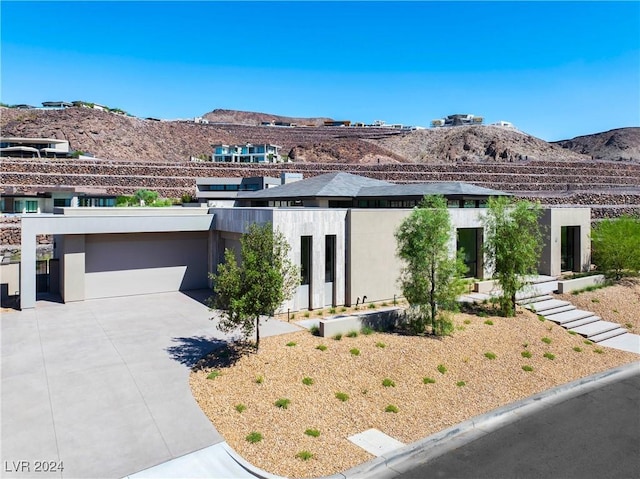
(329, 258)
(305, 259)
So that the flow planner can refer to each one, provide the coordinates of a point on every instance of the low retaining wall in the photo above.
(568, 285)
(384, 319)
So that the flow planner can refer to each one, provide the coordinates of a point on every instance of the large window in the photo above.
(329, 258)
(468, 244)
(305, 259)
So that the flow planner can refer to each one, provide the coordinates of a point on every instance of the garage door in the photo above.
(127, 264)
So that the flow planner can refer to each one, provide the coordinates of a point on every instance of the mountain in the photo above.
(121, 138)
(618, 145)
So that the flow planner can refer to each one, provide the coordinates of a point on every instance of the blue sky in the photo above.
(555, 69)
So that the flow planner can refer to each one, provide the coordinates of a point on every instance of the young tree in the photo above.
(146, 196)
(258, 285)
(616, 246)
(430, 278)
(512, 246)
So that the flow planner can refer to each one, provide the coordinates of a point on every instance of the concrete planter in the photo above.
(381, 319)
(568, 285)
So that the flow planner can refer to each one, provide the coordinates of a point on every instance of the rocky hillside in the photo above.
(249, 118)
(120, 138)
(621, 144)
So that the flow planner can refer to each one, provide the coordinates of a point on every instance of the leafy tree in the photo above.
(513, 243)
(430, 278)
(258, 285)
(616, 246)
(146, 196)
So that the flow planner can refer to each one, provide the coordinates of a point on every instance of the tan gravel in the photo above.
(423, 409)
(619, 303)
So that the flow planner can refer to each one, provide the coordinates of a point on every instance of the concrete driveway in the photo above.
(102, 385)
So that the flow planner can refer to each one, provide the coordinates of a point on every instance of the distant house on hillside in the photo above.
(56, 105)
(34, 147)
(249, 153)
(458, 119)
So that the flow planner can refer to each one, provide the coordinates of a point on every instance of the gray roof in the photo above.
(456, 188)
(328, 185)
(347, 185)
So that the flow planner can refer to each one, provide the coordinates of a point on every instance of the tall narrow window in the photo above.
(305, 259)
(329, 258)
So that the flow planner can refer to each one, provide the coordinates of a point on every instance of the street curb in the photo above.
(403, 459)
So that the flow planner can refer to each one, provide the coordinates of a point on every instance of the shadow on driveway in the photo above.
(189, 351)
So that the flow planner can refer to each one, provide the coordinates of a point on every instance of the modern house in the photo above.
(34, 147)
(248, 153)
(224, 191)
(458, 119)
(340, 228)
(44, 200)
(56, 105)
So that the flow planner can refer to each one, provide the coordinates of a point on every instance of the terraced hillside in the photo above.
(611, 188)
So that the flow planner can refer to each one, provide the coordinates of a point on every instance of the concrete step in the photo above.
(568, 316)
(533, 299)
(596, 328)
(548, 304)
(625, 342)
(608, 335)
(561, 309)
(581, 322)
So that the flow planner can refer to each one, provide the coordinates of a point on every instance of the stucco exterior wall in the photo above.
(552, 220)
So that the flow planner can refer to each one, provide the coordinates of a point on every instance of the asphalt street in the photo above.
(594, 435)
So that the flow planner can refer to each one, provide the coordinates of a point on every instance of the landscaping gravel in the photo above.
(423, 409)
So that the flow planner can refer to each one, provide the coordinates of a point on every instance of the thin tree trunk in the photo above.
(257, 332)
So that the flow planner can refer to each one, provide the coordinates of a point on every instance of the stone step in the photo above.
(596, 328)
(568, 316)
(581, 322)
(608, 335)
(548, 304)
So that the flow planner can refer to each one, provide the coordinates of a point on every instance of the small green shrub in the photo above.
(546, 340)
(214, 374)
(366, 330)
(461, 383)
(307, 381)
(388, 383)
(343, 309)
(577, 349)
(307, 314)
(595, 300)
(628, 325)
(527, 368)
(337, 337)
(573, 333)
(315, 330)
(587, 342)
(467, 321)
(391, 408)
(526, 354)
(489, 322)
(240, 407)
(380, 345)
(342, 396)
(428, 380)
(282, 403)
(355, 352)
(291, 343)
(372, 306)
(384, 304)
(352, 334)
(259, 380)
(489, 355)
(254, 437)
(332, 310)
(482, 314)
(320, 312)
(321, 347)
(304, 455)
(549, 356)
(541, 318)
(442, 369)
(312, 432)
(598, 351)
